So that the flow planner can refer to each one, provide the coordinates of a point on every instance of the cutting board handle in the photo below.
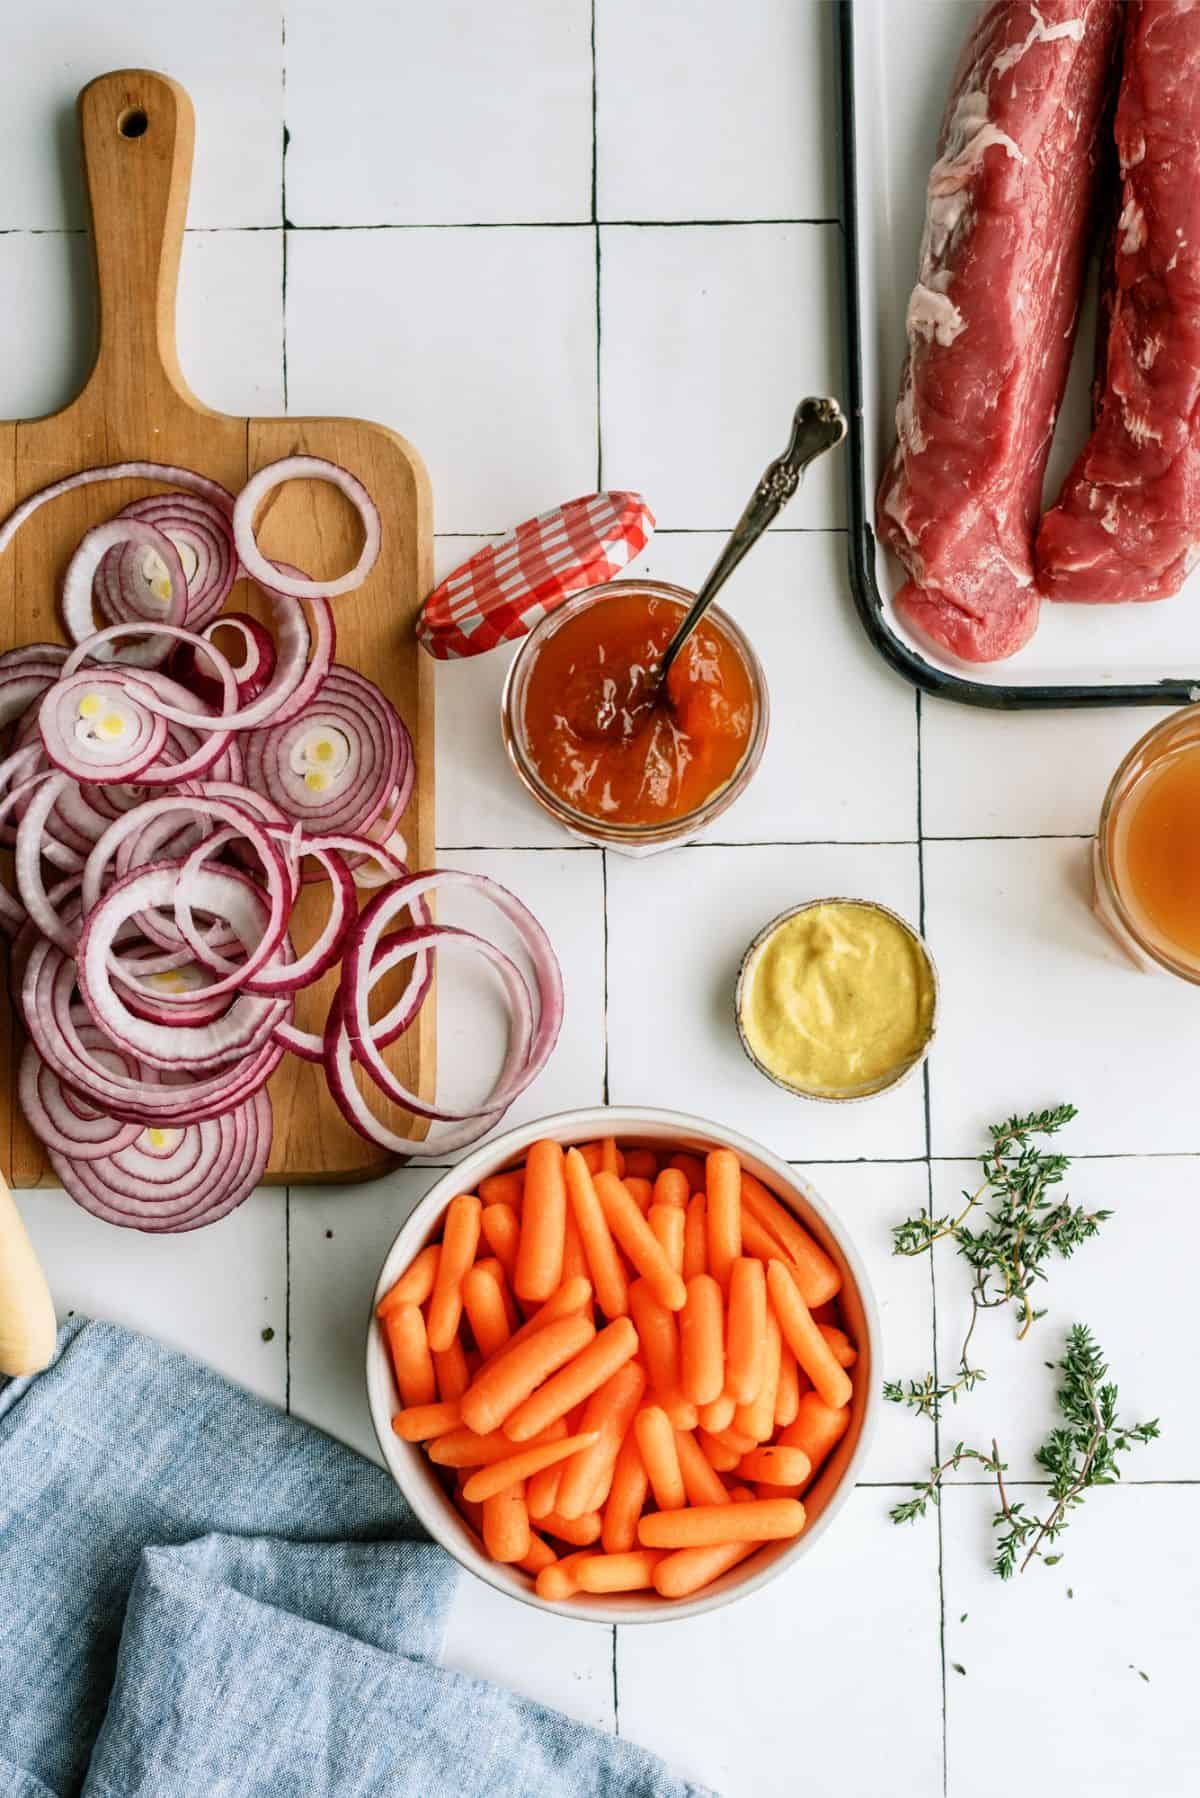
(138, 129)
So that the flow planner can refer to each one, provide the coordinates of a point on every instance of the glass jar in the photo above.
(628, 839)
(1122, 901)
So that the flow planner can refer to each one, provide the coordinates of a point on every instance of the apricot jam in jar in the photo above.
(1147, 858)
(614, 757)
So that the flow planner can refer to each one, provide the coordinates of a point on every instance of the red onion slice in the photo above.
(202, 534)
(115, 471)
(81, 1132)
(93, 730)
(129, 599)
(303, 468)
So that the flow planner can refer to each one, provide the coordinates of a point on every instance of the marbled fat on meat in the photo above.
(1127, 523)
(991, 319)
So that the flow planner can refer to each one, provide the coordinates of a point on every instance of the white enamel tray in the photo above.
(896, 60)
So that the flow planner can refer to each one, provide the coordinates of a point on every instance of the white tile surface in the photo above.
(678, 926)
(478, 345)
(1142, 1324)
(1039, 1005)
(1059, 1675)
(510, 137)
(868, 1198)
(712, 157)
(826, 1680)
(226, 53)
(1021, 773)
(823, 777)
(211, 1293)
(230, 320)
(709, 338)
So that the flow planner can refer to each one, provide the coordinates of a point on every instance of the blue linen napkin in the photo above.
(201, 1597)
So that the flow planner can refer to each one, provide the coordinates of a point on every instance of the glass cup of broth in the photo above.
(1147, 849)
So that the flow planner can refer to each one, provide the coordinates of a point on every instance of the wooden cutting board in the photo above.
(137, 132)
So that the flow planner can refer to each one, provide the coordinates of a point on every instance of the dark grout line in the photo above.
(1031, 836)
(604, 895)
(283, 212)
(581, 224)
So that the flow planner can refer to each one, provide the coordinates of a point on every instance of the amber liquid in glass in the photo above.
(1155, 851)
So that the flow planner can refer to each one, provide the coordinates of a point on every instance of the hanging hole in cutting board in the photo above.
(133, 122)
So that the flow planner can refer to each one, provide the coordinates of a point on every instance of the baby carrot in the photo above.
(810, 1347)
(461, 1447)
(700, 1480)
(541, 1492)
(817, 1429)
(774, 1466)
(491, 1264)
(627, 1496)
(787, 1393)
(656, 1440)
(611, 1411)
(629, 1572)
(671, 1188)
(686, 1571)
(573, 1299)
(472, 1513)
(719, 1455)
(701, 1341)
(460, 1240)
(585, 1374)
(557, 1582)
(483, 1301)
(840, 1345)
(412, 1363)
(503, 1189)
(695, 1237)
(669, 1225)
(575, 1265)
(641, 1164)
(518, 1467)
(420, 1423)
(692, 1169)
(519, 1370)
(703, 1526)
(580, 1531)
(658, 1336)
(719, 1415)
(590, 1152)
(736, 1440)
(415, 1283)
(746, 1351)
(639, 1191)
(506, 1532)
(723, 1189)
(638, 1241)
(543, 1224)
(451, 1371)
(817, 1274)
(611, 1159)
(608, 1275)
(501, 1229)
(540, 1555)
(757, 1419)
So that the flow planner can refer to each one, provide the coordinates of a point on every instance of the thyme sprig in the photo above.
(1079, 1455)
(1026, 1225)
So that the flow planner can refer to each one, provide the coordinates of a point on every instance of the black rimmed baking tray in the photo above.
(895, 62)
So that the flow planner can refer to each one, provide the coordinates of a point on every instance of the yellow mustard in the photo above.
(838, 998)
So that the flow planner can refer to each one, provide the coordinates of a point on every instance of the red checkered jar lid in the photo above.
(503, 590)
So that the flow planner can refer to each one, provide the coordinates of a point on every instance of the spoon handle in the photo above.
(818, 425)
(27, 1327)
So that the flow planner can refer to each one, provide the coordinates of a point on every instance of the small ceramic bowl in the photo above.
(418, 1478)
(895, 1077)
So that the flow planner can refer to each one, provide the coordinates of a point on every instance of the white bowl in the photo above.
(417, 1477)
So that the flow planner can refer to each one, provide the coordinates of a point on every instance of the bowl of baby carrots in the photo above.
(621, 1364)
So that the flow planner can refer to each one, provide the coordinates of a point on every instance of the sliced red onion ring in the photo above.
(175, 1178)
(94, 731)
(303, 468)
(246, 1024)
(69, 1127)
(130, 600)
(252, 673)
(115, 471)
(337, 765)
(201, 531)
